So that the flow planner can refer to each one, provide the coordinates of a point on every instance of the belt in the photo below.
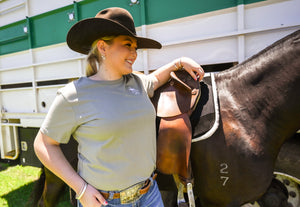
(132, 192)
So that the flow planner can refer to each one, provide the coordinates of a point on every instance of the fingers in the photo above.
(197, 73)
(101, 199)
(92, 197)
(193, 68)
(194, 75)
(200, 73)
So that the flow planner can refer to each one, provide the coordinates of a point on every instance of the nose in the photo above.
(133, 49)
(133, 52)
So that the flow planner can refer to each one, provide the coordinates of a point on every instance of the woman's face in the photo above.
(120, 55)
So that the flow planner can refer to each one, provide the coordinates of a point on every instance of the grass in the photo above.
(16, 184)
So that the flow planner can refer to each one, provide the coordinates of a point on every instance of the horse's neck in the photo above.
(263, 92)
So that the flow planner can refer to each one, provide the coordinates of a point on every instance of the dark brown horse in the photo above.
(49, 188)
(259, 109)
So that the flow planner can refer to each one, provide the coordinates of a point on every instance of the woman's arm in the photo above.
(50, 154)
(163, 74)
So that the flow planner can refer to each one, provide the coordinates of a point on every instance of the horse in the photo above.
(258, 108)
(49, 188)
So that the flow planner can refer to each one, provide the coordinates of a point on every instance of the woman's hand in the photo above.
(162, 75)
(193, 68)
(92, 198)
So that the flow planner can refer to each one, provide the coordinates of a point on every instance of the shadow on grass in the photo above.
(4, 164)
(21, 197)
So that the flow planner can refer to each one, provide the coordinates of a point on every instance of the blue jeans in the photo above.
(151, 199)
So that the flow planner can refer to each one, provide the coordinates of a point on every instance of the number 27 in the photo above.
(224, 170)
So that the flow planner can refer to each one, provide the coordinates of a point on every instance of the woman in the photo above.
(110, 115)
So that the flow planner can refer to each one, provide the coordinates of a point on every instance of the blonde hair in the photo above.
(94, 59)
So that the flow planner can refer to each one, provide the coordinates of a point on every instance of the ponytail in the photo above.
(94, 59)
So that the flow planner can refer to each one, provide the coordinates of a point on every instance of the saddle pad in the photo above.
(203, 117)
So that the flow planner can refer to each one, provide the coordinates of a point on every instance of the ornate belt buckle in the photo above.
(130, 194)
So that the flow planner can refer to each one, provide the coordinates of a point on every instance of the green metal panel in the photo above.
(13, 38)
(252, 1)
(16, 46)
(160, 11)
(91, 8)
(52, 27)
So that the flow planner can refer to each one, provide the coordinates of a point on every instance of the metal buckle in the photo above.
(130, 194)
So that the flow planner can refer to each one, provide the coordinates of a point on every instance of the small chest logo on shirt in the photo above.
(133, 91)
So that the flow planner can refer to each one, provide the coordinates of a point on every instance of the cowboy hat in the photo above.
(108, 22)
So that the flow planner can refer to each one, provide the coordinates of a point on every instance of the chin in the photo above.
(128, 71)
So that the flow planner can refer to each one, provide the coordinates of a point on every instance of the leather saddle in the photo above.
(174, 103)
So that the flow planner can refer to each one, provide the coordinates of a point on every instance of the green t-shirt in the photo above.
(114, 124)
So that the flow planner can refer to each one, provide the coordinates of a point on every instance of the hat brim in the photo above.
(82, 34)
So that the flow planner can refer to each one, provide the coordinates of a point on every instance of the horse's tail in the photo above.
(37, 191)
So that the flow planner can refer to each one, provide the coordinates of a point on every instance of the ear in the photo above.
(101, 45)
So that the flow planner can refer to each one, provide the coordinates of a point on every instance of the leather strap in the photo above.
(106, 195)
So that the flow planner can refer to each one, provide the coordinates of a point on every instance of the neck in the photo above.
(262, 93)
(106, 74)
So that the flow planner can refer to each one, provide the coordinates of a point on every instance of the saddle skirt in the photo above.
(174, 103)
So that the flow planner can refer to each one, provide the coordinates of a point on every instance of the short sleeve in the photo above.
(148, 83)
(60, 121)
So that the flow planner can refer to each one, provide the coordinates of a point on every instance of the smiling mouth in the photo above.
(130, 62)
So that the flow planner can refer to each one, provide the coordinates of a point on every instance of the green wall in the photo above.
(13, 38)
(51, 27)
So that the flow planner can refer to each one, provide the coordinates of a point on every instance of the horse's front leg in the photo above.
(53, 189)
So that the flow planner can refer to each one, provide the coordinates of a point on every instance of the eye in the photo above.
(130, 45)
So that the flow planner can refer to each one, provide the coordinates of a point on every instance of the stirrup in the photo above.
(180, 196)
(190, 195)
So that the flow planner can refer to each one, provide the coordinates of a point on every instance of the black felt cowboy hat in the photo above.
(108, 22)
